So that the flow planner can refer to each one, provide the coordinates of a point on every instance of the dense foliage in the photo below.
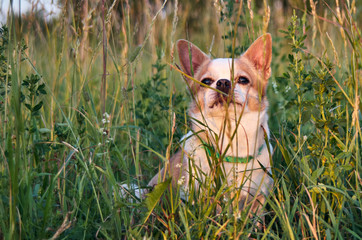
(63, 159)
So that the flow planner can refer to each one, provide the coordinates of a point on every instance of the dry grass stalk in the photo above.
(314, 28)
(251, 17)
(65, 225)
(340, 19)
(266, 17)
(174, 25)
(336, 59)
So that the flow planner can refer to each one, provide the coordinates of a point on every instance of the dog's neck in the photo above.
(244, 138)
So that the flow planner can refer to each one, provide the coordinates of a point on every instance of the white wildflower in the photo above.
(106, 115)
(104, 131)
(181, 181)
(106, 118)
(179, 165)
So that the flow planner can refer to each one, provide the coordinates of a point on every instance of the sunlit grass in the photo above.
(63, 161)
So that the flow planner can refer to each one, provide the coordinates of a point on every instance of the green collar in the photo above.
(231, 159)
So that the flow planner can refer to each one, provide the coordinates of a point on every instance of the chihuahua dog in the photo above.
(229, 123)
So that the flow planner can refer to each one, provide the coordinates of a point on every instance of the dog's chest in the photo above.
(246, 143)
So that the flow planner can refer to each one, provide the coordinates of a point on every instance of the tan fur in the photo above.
(246, 116)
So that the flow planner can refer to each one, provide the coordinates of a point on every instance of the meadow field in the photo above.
(91, 100)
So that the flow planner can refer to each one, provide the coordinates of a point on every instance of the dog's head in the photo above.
(241, 87)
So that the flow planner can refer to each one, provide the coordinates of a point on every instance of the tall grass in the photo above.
(66, 147)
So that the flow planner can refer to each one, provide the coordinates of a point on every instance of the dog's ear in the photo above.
(260, 54)
(191, 57)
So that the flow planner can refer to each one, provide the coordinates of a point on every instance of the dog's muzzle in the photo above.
(223, 85)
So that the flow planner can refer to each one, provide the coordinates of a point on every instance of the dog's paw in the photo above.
(132, 192)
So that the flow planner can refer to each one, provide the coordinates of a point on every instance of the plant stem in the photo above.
(104, 76)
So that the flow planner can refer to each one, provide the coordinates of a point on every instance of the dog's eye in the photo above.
(207, 81)
(243, 80)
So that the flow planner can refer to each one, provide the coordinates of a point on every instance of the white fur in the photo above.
(247, 141)
(219, 121)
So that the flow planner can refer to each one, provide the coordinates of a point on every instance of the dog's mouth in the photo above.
(221, 100)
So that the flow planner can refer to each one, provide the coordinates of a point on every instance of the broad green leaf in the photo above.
(44, 130)
(154, 197)
(38, 106)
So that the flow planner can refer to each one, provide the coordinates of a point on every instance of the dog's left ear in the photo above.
(260, 54)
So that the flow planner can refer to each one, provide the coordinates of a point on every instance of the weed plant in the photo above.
(66, 150)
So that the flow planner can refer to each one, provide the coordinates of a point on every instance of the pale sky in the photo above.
(50, 6)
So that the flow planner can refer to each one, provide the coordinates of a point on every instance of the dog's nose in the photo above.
(223, 85)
